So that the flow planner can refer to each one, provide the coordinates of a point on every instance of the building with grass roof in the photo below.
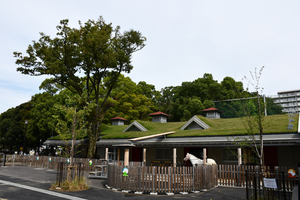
(167, 143)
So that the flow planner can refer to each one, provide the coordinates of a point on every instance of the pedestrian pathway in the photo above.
(30, 183)
(56, 194)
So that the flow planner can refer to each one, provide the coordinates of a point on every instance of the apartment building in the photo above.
(289, 100)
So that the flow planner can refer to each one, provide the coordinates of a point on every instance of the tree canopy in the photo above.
(87, 63)
(80, 59)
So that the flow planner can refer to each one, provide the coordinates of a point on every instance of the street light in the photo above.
(26, 122)
(40, 147)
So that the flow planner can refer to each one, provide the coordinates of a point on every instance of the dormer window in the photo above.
(135, 126)
(194, 123)
(117, 121)
(159, 117)
(212, 113)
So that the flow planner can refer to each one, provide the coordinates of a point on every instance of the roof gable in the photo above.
(135, 126)
(210, 109)
(194, 123)
(159, 113)
(118, 118)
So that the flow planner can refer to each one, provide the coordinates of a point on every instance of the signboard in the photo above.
(90, 162)
(270, 183)
(292, 173)
(125, 171)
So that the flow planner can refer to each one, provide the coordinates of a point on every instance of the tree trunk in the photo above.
(260, 133)
(93, 137)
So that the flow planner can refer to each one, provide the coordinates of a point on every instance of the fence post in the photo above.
(3, 161)
(298, 182)
(283, 185)
(153, 180)
(239, 176)
(277, 176)
(257, 179)
(247, 187)
(255, 185)
(204, 177)
(193, 178)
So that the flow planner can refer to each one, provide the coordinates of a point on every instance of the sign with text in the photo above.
(270, 183)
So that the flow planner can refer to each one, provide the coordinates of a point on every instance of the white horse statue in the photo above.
(196, 161)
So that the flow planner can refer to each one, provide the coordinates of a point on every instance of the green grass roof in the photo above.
(232, 126)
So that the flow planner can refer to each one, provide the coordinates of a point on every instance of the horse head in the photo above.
(187, 157)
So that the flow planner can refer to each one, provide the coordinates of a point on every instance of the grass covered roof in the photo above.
(232, 126)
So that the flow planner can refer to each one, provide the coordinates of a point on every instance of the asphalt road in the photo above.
(29, 183)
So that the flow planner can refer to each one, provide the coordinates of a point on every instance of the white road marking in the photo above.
(41, 190)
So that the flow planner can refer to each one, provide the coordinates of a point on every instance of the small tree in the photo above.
(255, 121)
(252, 117)
(71, 124)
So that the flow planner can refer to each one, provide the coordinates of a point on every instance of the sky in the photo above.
(185, 40)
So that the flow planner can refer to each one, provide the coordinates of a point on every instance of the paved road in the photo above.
(29, 183)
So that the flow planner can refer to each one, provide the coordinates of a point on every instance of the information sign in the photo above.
(125, 171)
(270, 183)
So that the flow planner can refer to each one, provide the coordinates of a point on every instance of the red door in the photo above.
(270, 156)
(137, 154)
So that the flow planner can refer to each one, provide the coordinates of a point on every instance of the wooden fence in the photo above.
(235, 175)
(50, 162)
(152, 179)
(170, 179)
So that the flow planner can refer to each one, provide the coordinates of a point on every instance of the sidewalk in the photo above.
(43, 178)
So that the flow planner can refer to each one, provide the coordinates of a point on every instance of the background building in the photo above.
(289, 100)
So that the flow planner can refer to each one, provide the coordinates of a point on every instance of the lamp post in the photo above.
(26, 122)
(40, 147)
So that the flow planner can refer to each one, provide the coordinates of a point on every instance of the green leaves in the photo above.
(96, 50)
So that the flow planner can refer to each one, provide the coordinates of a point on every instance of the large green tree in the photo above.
(79, 59)
(132, 101)
(190, 98)
(13, 132)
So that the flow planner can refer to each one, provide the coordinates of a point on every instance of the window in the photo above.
(163, 154)
(230, 155)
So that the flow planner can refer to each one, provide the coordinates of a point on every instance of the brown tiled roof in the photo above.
(118, 118)
(159, 113)
(210, 109)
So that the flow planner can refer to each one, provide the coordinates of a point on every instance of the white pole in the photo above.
(204, 156)
(144, 155)
(174, 157)
(126, 157)
(239, 156)
(106, 154)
